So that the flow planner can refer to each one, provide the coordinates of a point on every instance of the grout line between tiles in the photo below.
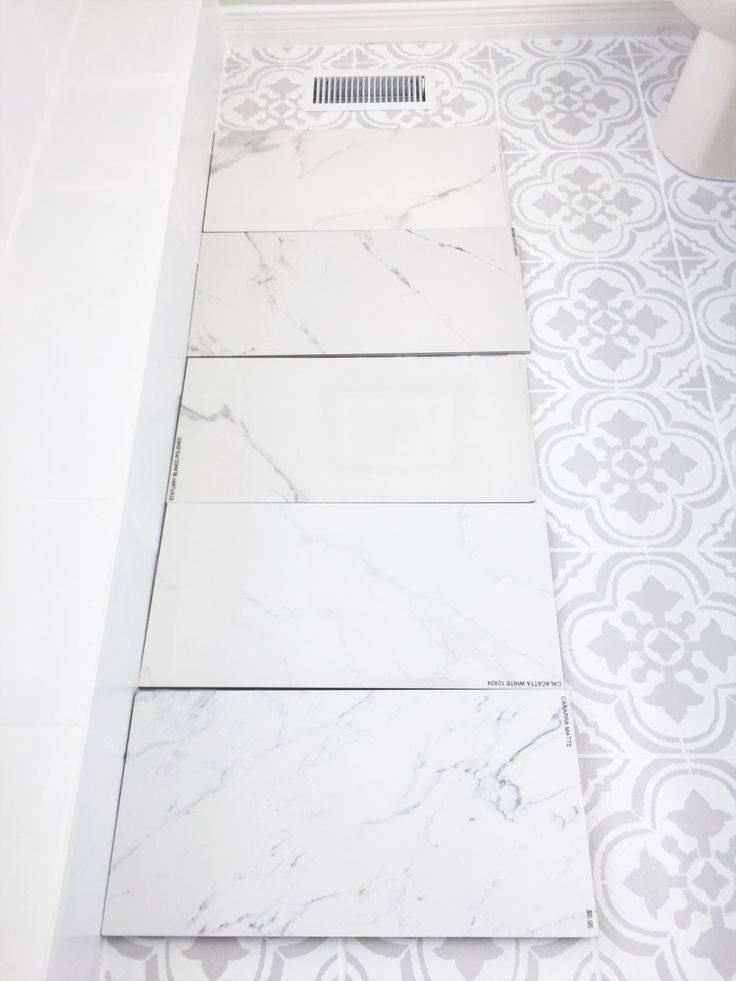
(342, 963)
(523, 686)
(206, 196)
(322, 356)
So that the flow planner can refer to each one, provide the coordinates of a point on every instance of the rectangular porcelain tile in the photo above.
(291, 180)
(354, 429)
(352, 595)
(376, 292)
(350, 813)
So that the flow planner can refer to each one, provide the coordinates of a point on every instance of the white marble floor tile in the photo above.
(353, 595)
(350, 813)
(354, 429)
(376, 292)
(284, 180)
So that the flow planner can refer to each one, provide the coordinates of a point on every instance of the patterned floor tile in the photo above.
(609, 324)
(429, 960)
(633, 468)
(649, 652)
(662, 838)
(703, 218)
(715, 313)
(223, 959)
(590, 205)
(264, 87)
(703, 209)
(658, 62)
(471, 960)
(694, 388)
(578, 99)
(713, 299)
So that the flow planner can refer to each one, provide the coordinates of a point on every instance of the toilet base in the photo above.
(698, 130)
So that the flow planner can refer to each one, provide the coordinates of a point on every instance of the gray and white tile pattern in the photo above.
(649, 640)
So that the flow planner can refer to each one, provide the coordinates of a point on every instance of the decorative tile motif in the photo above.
(663, 837)
(355, 179)
(321, 430)
(366, 596)
(650, 652)
(379, 292)
(575, 99)
(714, 308)
(470, 960)
(704, 218)
(263, 87)
(222, 959)
(705, 209)
(604, 325)
(658, 62)
(242, 959)
(367, 815)
(587, 205)
(630, 468)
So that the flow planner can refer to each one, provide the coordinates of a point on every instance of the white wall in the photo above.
(107, 114)
(33, 38)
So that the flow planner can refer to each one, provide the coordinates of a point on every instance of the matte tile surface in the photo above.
(374, 798)
(354, 429)
(378, 292)
(352, 595)
(282, 180)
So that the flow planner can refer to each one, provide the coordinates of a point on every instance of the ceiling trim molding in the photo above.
(338, 21)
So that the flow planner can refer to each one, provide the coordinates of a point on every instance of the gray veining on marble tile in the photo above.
(426, 429)
(649, 631)
(282, 180)
(375, 798)
(362, 292)
(350, 596)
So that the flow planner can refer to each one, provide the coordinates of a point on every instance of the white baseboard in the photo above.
(338, 21)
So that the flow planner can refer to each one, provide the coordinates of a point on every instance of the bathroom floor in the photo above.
(630, 282)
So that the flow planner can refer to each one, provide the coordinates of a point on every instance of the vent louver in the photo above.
(368, 91)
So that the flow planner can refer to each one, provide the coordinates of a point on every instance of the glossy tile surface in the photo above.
(352, 595)
(354, 429)
(647, 613)
(377, 292)
(373, 799)
(283, 180)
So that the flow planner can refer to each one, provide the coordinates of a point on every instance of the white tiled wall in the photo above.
(107, 113)
(33, 38)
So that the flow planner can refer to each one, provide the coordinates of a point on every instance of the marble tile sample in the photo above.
(350, 813)
(292, 180)
(354, 429)
(375, 292)
(353, 595)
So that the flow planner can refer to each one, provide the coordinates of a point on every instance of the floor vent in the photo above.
(325, 92)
